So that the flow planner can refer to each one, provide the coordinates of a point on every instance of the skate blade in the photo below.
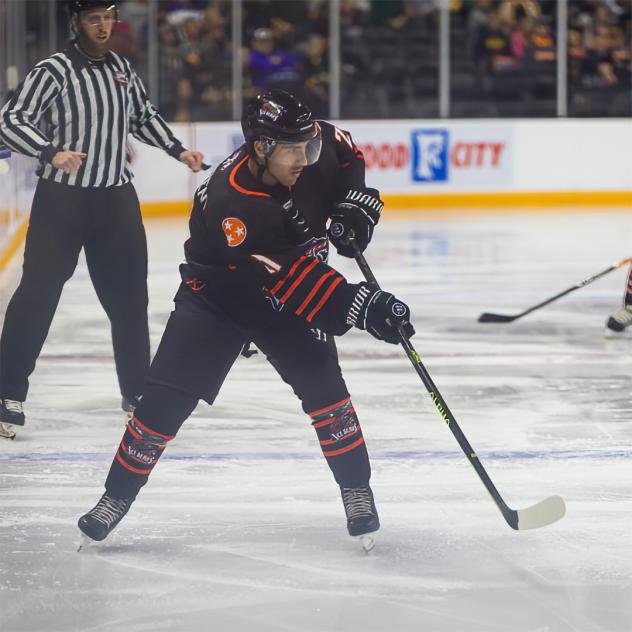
(611, 334)
(84, 542)
(367, 542)
(7, 431)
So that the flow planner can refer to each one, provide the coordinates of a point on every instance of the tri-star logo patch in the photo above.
(235, 231)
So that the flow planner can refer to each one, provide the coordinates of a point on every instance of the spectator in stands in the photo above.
(492, 50)
(620, 55)
(598, 65)
(477, 17)
(180, 10)
(512, 11)
(576, 55)
(316, 20)
(271, 67)
(477, 14)
(543, 44)
(315, 70)
(169, 72)
(521, 44)
(354, 16)
(215, 72)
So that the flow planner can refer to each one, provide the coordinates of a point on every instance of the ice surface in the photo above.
(242, 527)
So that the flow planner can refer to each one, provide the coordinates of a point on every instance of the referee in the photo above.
(74, 113)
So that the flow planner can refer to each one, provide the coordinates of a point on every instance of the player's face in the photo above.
(287, 162)
(96, 27)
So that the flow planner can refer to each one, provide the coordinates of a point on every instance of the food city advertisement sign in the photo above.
(413, 157)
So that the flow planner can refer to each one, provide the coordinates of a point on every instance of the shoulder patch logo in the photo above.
(235, 231)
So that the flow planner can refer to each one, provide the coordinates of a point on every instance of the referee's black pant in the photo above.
(107, 223)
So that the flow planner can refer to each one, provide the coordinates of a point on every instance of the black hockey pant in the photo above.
(107, 223)
(197, 350)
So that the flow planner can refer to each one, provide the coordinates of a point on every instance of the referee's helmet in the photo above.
(77, 6)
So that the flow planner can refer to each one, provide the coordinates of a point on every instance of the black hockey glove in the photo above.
(379, 313)
(355, 218)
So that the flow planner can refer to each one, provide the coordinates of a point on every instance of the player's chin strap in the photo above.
(261, 167)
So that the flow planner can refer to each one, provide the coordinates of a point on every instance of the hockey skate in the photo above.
(620, 320)
(97, 524)
(11, 415)
(362, 518)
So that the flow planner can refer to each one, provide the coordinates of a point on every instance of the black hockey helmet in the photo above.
(75, 7)
(275, 118)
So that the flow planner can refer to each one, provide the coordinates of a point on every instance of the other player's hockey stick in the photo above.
(545, 512)
(488, 317)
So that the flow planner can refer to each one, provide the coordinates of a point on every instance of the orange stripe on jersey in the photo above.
(324, 299)
(231, 179)
(135, 470)
(350, 447)
(278, 286)
(321, 411)
(298, 281)
(315, 289)
(146, 429)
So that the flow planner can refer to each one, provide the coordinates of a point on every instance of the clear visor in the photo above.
(294, 153)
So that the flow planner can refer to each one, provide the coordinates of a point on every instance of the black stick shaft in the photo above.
(509, 514)
(577, 286)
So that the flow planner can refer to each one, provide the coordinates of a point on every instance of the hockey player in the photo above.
(256, 271)
(622, 318)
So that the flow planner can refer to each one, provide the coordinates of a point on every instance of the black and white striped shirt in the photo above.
(70, 103)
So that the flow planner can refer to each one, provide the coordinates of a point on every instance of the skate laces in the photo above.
(109, 510)
(624, 315)
(357, 502)
(13, 405)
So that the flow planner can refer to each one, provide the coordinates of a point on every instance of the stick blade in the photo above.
(487, 317)
(541, 514)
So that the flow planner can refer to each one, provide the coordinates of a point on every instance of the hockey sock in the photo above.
(158, 418)
(136, 457)
(342, 443)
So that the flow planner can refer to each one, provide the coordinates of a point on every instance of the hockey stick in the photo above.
(545, 512)
(488, 317)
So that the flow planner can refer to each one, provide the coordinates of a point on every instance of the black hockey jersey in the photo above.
(245, 253)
